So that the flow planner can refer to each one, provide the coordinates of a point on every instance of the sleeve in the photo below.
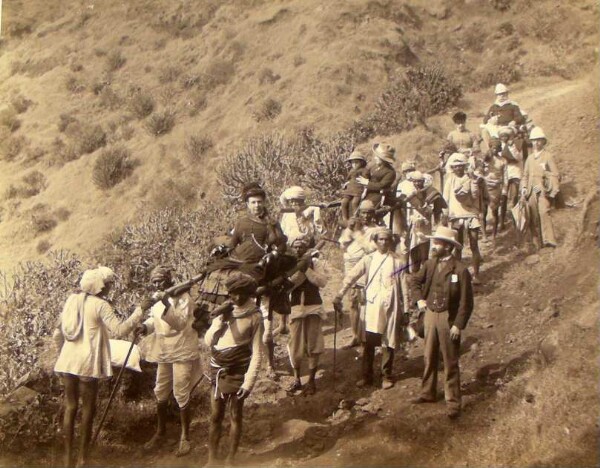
(416, 282)
(149, 324)
(257, 355)
(346, 239)
(236, 234)
(525, 178)
(554, 176)
(212, 330)
(297, 278)
(466, 300)
(447, 188)
(115, 325)
(178, 313)
(385, 183)
(58, 338)
(354, 275)
(317, 276)
(488, 115)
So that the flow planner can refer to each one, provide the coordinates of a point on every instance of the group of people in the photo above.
(402, 240)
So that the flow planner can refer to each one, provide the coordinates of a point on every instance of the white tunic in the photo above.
(379, 292)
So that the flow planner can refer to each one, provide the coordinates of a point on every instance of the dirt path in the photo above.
(523, 299)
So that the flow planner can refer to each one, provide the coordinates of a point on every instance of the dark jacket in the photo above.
(460, 293)
(381, 180)
(506, 114)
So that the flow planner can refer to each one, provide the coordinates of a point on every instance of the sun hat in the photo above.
(500, 89)
(356, 156)
(537, 134)
(385, 152)
(446, 234)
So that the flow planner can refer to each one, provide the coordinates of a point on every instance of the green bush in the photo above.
(112, 166)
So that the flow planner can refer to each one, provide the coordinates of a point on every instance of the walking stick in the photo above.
(113, 392)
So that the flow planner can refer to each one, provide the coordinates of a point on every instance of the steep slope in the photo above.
(225, 71)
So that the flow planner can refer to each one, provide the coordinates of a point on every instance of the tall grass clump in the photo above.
(112, 166)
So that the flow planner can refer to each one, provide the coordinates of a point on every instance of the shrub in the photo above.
(109, 99)
(421, 93)
(501, 5)
(217, 73)
(63, 153)
(43, 246)
(142, 105)
(268, 110)
(12, 146)
(299, 60)
(169, 74)
(31, 184)
(42, 222)
(112, 166)
(74, 85)
(90, 138)
(20, 103)
(160, 123)
(62, 213)
(65, 121)
(502, 71)
(34, 154)
(9, 119)
(268, 76)
(196, 146)
(115, 60)
(196, 104)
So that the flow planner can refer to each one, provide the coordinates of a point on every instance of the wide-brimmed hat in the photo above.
(366, 205)
(356, 156)
(385, 152)
(458, 159)
(500, 89)
(459, 117)
(537, 134)
(446, 234)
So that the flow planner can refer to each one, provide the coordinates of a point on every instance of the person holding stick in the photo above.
(306, 337)
(234, 338)
(382, 316)
(174, 347)
(82, 338)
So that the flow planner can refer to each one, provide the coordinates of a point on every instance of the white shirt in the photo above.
(379, 291)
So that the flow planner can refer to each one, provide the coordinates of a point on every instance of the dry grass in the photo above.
(9, 119)
(12, 147)
(89, 138)
(197, 146)
(269, 109)
(141, 104)
(20, 103)
(31, 184)
(115, 60)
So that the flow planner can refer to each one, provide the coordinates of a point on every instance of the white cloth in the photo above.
(309, 223)
(356, 244)
(379, 291)
(118, 353)
(89, 354)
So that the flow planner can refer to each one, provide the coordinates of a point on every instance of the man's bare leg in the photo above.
(217, 412)
(88, 391)
(473, 243)
(71, 383)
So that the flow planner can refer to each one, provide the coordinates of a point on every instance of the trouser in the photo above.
(372, 340)
(178, 377)
(306, 340)
(356, 293)
(540, 216)
(437, 338)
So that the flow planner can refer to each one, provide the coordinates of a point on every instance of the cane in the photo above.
(113, 392)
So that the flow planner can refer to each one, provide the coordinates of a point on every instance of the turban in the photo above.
(160, 273)
(380, 230)
(107, 274)
(292, 193)
(366, 205)
(92, 282)
(241, 283)
(408, 166)
(415, 175)
(303, 241)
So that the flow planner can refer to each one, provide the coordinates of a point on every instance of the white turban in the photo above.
(92, 282)
(107, 274)
(293, 193)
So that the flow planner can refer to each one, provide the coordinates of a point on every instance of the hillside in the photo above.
(79, 77)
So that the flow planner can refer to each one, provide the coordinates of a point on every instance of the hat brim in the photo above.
(385, 158)
(456, 244)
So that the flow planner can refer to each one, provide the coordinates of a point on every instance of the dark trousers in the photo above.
(372, 340)
(437, 339)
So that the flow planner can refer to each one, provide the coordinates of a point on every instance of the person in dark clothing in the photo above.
(442, 291)
(382, 175)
